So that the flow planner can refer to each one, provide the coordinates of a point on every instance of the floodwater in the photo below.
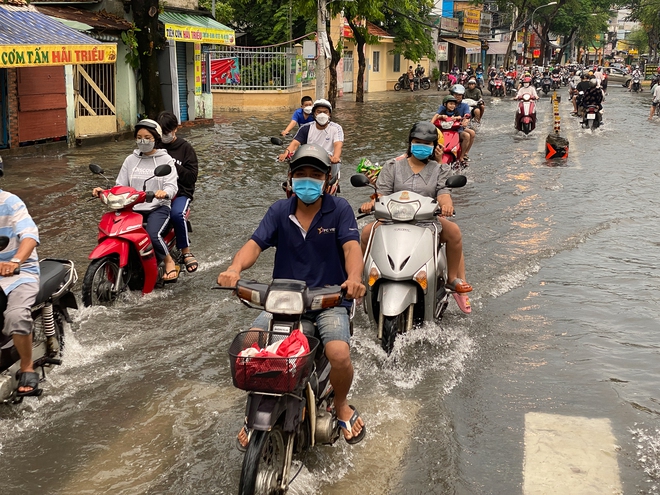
(562, 256)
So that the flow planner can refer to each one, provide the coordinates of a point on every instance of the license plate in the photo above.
(591, 116)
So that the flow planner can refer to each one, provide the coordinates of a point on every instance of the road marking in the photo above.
(569, 455)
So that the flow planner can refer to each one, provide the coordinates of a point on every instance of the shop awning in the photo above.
(29, 38)
(196, 29)
(499, 47)
(470, 48)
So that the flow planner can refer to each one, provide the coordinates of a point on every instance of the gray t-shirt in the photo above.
(397, 175)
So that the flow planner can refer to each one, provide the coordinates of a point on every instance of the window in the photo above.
(397, 62)
(376, 65)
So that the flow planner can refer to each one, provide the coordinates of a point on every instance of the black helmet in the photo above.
(449, 98)
(424, 131)
(151, 125)
(310, 155)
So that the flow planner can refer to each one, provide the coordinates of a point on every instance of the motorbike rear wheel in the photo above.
(397, 87)
(99, 279)
(263, 463)
(426, 84)
(392, 325)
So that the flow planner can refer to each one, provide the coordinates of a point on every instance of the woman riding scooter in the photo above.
(137, 168)
(418, 171)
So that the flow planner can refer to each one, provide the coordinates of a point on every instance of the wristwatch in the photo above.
(16, 260)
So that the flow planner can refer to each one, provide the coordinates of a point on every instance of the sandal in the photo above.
(173, 279)
(458, 286)
(28, 379)
(463, 302)
(348, 426)
(239, 445)
(190, 262)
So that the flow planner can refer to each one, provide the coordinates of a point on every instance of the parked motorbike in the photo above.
(591, 117)
(405, 268)
(124, 258)
(290, 402)
(443, 83)
(404, 83)
(497, 88)
(51, 323)
(526, 114)
(425, 82)
(636, 84)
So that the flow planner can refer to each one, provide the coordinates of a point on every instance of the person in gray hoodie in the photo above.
(137, 168)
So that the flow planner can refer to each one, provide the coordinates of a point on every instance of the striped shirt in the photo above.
(17, 224)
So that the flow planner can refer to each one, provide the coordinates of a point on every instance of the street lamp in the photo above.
(531, 22)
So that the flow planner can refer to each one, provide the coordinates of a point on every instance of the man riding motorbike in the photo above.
(582, 87)
(316, 240)
(402, 174)
(474, 93)
(329, 135)
(20, 291)
(593, 96)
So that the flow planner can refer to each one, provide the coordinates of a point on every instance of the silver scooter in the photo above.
(405, 268)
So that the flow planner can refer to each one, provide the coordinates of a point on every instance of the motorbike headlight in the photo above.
(284, 303)
(403, 212)
(118, 201)
(446, 124)
(527, 97)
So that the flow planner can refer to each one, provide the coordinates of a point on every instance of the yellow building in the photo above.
(383, 68)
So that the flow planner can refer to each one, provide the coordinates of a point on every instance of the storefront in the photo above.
(34, 50)
(181, 62)
(463, 52)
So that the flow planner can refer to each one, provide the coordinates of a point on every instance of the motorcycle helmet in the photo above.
(593, 82)
(527, 79)
(152, 126)
(458, 89)
(424, 131)
(322, 103)
(449, 98)
(310, 155)
(472, 81)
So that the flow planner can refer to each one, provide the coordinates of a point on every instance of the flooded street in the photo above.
(562, 256)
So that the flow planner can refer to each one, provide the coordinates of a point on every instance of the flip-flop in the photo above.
(28, 379)
(458, 285)
(463, 302)
(171, 280)
(348, 426)
(239, 445)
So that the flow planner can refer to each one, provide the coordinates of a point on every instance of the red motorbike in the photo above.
(497, 87)
(124, 258)
(526, 114)
(452, 141)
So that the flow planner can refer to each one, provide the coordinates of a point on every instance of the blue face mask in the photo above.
(307, 190)
(421, 151)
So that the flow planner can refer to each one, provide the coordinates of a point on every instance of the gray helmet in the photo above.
(457, 89)
(425, 131)
(593, 82)
(310, 155)
(151, 125)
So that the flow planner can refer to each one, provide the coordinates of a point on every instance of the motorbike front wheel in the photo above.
(397, 87)
(426, 85)
(263, 463)
(99, 279)
(392, 325)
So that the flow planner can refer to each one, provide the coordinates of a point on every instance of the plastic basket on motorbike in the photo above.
(271, 362)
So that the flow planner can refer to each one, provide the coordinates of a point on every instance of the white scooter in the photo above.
(405, 268)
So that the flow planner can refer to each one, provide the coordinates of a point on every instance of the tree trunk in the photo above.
(150, 41)
(335, 56)
(519, 17)
(360, 42)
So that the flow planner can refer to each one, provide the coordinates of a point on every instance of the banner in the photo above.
(471, 20)
(443, 48)
(37, 56)
(225, 71)
(199, 34)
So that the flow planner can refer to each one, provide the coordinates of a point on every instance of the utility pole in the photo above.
(322, 36)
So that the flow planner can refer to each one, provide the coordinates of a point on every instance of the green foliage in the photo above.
(639, 39)
(130, 40)
(260, 73)
(435, 74)
(224, 13)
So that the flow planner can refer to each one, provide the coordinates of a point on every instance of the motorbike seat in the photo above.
(53, 275)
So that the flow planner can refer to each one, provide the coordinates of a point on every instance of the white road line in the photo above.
(569, 455)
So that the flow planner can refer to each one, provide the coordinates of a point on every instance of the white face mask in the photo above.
(322, 118)
(168, 138)
(307, 110)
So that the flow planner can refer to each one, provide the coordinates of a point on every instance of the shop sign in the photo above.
(37, 56)
(449, 24)
(471, 20)
(199, 34)
(198, 69)
(443, 48)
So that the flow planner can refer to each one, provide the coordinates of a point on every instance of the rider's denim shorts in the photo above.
(332, 323)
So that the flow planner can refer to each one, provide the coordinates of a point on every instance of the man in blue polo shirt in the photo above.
(302, 115)
(316, 240)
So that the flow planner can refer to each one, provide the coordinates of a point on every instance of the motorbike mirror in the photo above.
(360, 180)
(95, 169)
(4, 242)
(456, 181)
(162, 170)
(276, 141)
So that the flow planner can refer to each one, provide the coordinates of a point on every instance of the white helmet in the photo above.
(322, 103)
(458, 89)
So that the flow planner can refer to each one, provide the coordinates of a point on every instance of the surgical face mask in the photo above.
(168, 138)
(307, 110)
(322, 118)
(421, 151)
(308, 190)
(145, 145)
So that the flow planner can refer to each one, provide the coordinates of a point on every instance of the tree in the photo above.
(647, 12)
(149, 42)
(267, 22)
